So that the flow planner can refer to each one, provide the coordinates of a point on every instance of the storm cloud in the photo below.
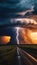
(9, 8)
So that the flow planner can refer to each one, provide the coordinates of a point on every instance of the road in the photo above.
(27, 59)
(24, 58)
(17, 56)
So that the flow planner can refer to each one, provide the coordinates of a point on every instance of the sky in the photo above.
(10, 9)
(9, 31)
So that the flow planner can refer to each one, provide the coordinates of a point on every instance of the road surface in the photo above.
(24, 58)
(17, 56)
(27, 59)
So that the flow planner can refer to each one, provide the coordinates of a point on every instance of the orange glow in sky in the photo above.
(33, 36)
(4, 39)
(29, 36)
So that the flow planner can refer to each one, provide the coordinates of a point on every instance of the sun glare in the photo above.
(34, 35)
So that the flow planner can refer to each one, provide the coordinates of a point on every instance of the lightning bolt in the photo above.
(25, 12)
(18, 53)
(17, 34)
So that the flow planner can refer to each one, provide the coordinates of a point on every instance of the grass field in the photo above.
(7, 54)
(34, 46)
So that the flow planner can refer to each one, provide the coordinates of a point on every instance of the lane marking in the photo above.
(30, 55)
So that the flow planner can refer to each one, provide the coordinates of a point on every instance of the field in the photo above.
(7, 54)
(34, 46)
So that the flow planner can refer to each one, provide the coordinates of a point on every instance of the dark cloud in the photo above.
(9, 8)
(9, 31)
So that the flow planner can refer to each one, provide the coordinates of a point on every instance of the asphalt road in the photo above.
(17, 56)
(27, 59)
